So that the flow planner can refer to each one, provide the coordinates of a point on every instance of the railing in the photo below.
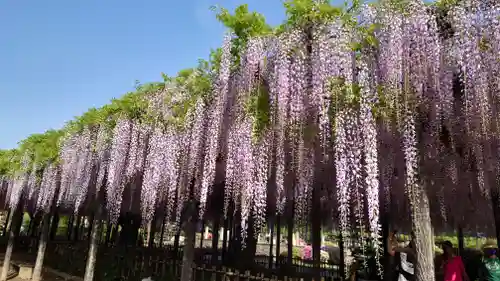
(203, 273)
(135, 263)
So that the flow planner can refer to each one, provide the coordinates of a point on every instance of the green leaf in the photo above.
(257, 106)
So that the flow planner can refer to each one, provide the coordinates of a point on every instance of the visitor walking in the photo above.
(490, 264)
(453, 266)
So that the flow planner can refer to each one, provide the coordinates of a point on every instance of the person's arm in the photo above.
(390, 247)
(480, 272)
(464, 272)
(401, 249)
(407, 250)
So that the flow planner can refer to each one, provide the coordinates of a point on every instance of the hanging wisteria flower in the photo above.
(214, 130)
(48, 188)
(117, 165)
(371, 159)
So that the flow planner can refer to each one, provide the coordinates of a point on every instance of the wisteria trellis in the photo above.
(381, 109)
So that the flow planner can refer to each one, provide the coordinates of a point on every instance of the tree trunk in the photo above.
(148, 235)
(289, 258)
(388, 272)
(248, 254)
(17, 229)
(342, 267)
(495, 197)
(136, 227)
(421, 222)
(271, 242)
(176, 240)
(152, 233)
(189, 242)
(130, 230)
(202, 232)
(91, 222)
(30, 225)
(55, 224)
(115, 234)
(162, 231)
(7, 223)
(81, 229)
(94, 246)
(461, 243)
(37, 271)
(278, 238)
(235, 242)
(109, 228)
(76, 237)
(69, 229)
(215, 240)
(224, 238)
(316, 231)
(16, 219)
(231, 233)
(33, 232)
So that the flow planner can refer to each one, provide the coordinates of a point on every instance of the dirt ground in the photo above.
(46, 276)
(26, 258)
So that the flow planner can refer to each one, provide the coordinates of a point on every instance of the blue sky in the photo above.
(58, 58)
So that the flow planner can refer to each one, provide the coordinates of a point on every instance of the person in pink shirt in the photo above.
(453, 267)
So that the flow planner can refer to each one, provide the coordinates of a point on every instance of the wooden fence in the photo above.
(203, 273)
(136, 263)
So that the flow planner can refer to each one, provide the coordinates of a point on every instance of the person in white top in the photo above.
(407, 258)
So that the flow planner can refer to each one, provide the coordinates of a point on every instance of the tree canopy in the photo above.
(243, 24)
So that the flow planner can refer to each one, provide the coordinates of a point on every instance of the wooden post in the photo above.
(94, 245)
(37, 270)
(271, 248)
(16, 219)
(278, 238)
